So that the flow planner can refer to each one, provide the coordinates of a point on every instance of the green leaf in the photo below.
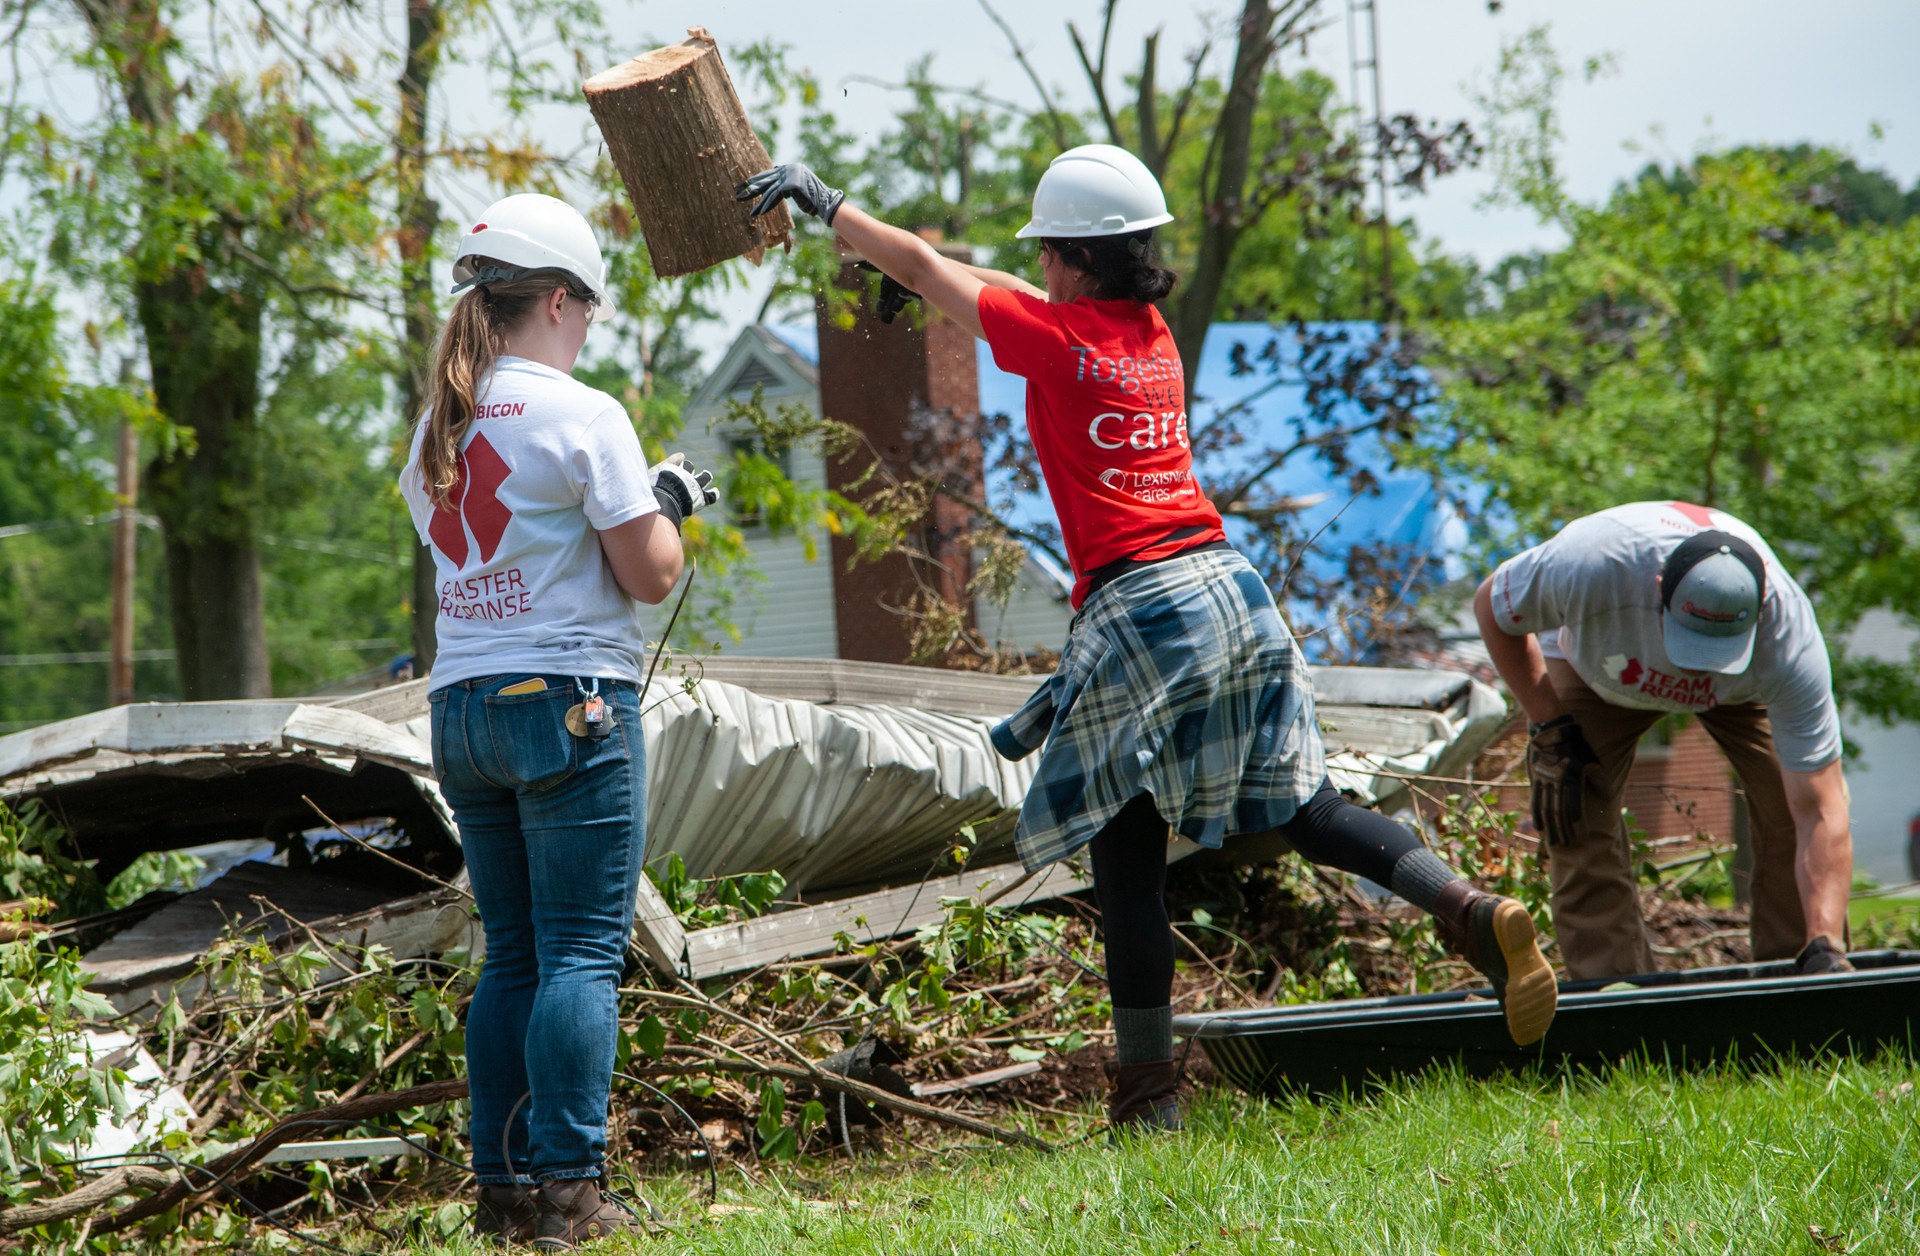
(650, 1035)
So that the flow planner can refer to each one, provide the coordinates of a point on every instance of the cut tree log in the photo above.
(681, 141)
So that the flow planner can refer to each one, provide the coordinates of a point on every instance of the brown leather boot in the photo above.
(504, 1214)
(1496, 936)
(1143, 1097)
(572, 1211)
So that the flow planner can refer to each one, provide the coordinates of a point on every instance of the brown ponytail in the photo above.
(472, 341)
(1122, 267)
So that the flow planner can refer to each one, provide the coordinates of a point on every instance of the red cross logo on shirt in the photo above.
(478, 474)
(1699, 515)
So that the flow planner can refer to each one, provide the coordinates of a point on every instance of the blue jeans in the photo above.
(554, 830)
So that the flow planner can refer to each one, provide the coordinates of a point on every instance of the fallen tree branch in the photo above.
(402, 864)
(230, 1167)
(398, 1054)
(858, 1090)
(103, 1189)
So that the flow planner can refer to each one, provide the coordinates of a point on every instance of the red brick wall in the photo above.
(913, 387)
(1674, 790)
(1683, 787)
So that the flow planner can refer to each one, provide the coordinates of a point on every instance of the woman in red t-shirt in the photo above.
(1181, 699)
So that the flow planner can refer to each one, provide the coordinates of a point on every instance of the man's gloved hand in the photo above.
(791, 180)
(1558, 757)
(682, 491)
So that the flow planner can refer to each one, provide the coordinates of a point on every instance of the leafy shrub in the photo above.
(50, 1101)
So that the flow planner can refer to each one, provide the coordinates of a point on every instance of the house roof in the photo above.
(763, 356)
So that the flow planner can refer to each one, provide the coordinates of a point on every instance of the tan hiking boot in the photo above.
(573, 1211)
(1496, 936)
(504, 1214)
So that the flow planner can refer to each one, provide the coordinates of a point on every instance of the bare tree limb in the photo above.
(1097, 71)
(858, 1090)
(1054, 119)
(1146, 109)
(1184, 101)
(1319, 440)
(241, 1160)
(102, 1190)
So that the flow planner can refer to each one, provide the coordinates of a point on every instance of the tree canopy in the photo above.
(1743, 332)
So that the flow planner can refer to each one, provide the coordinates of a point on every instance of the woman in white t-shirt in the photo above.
(546, 526)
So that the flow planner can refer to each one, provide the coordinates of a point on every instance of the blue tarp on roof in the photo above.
(1265, 400)
(1250, 376)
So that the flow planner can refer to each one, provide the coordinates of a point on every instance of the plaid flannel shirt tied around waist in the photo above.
(1181, 680)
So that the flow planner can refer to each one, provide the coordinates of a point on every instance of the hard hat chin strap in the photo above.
(490, 273)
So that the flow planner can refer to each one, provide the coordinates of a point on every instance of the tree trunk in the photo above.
(219, 619)
(681, 141)
(419, 216)
(203, 350)
(203, 354)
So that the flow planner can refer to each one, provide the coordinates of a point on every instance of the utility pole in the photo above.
(125, 532)
(1366, 63)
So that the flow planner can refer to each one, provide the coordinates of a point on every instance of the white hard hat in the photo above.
(1096, 190)
(531, 231)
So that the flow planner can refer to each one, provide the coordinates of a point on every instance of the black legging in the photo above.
(1130, 880)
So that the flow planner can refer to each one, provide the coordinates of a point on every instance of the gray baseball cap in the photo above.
(1711, 589)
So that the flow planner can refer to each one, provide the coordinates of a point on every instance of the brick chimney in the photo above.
(912, 387)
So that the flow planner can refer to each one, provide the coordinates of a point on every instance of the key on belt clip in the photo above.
(589, 717)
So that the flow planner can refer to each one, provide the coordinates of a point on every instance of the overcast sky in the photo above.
(1689, 74)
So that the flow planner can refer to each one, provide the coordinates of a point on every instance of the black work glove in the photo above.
(682, 491)
(791, 180)
(1558, 758)
(893, 296)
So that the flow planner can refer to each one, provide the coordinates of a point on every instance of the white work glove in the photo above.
(682, 491)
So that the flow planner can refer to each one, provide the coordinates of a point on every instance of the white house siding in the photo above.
(1882, 776)
(1035, 618)
(789, 613)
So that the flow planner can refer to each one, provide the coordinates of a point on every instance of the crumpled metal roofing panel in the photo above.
(857, 774)
(830, 795)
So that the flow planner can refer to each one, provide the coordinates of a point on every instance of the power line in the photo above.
(365, 553)
(81, 656)
(161, 656)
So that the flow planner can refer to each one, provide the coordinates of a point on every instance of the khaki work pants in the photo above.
(1596, 900)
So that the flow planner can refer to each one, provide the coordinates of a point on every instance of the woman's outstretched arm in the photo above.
(951, 287)
(946, 285)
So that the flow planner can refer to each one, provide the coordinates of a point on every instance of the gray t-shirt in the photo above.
(1591, 596)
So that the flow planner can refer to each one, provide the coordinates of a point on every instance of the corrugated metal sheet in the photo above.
(844, 774)
(838, 774)
(166, 775)
(830, 795)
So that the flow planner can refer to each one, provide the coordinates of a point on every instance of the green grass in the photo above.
(1639, 1160)
(1884, 911)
